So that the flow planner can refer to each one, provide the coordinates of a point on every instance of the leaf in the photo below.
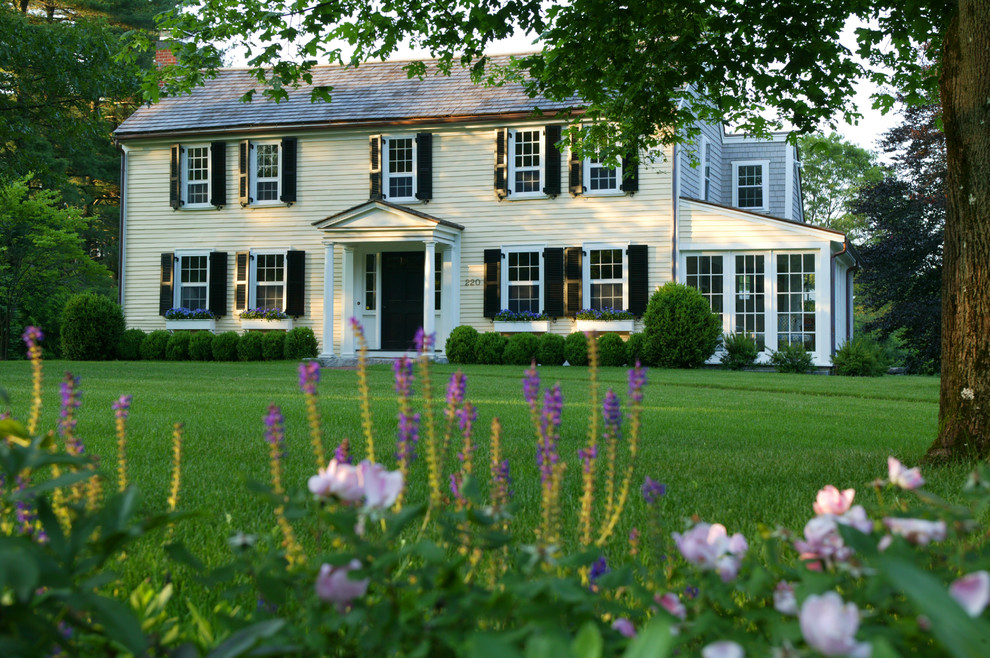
(490, 645)
(588, 643)
(65, 480)
(119, 622)
(653, 641)
(18, 570)
(546, 645)
(13, 429)
(245, 639)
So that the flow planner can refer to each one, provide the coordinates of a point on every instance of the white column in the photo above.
(454, 310)
(347, 284)
(429, 289)
(328, 292)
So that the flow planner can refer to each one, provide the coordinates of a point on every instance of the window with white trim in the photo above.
(704, 273)
(268, 275)
(599, 178)
(195, 164)
(193, 280)
(266, 165)
(399, 168)
(521, 287)
(750, 297)
(605, 284)
(370, 282)
(526, 162)
(796, 300)
(437, 281)
(750, 188)
(706, 169)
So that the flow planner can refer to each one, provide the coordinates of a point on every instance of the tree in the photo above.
(633, 62)
(832, 173)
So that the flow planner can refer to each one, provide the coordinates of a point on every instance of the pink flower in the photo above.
(381, 487)
(671, 604)
(334, 584)
(337, 479)
(783, 599)
(830, 626)
(905, 478)
(822, 541)
(832, 501)
(856, 518)
(722, 649)
(710, 548)
(624, 626)
(917, 531)
(972, 592)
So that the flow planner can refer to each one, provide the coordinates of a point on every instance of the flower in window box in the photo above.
(182, 313)
(604, 314)
(264, 314)
(505, 315)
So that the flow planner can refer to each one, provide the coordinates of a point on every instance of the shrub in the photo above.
(177, 348)
(634, 348)
(489, 348)
(860, 357)
(130, 345)
(680, 330)
(201, 346)
(611, 350)
(521, 349)
(250, 346)
(550, 351)
(300, 343)
(225, 346)
(91, 328)
(791, 357)
(741, 351)
(154, 345)
(576, 349)
(460, 344)
(273, 347)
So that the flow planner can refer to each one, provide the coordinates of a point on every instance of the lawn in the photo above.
(749, 450)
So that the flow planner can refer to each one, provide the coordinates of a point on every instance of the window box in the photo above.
(191, 325)
(606, 326)
(533, 326)
(284, 325)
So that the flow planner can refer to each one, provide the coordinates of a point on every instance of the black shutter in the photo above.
(218, 174)
(493, 282)
(551, 135)
(501, 163)
(630, 173)
(218, 283)
(175, 179)
(639, 278)
(165, 288)
(288, 170)
(575, 171)
(242, 270)
(424, 166)
(375, 175)
(553, 280)
(295, 283)
(243, 178)
(573, 280)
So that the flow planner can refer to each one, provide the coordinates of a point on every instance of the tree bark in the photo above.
(964, 401)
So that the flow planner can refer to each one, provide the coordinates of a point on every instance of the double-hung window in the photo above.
(750, 190)
(266, 163)
(605, 284)
(526, 162)
(600, 178)
(195, 163)
(704, 273)
(400, 168)
(268, 275)
(750, 297)
(521, 290)
(193, 280)
(796, 300)
(706, 169)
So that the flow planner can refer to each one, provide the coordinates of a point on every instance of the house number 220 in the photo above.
(472, 282)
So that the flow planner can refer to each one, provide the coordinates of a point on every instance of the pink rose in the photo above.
(972, 592)
(917, 531)
(337, 479)
(830, 626)
(710, 548)
(905, 478)
(381, 487)
(671, 604)
(856, 518)
(722, 649)
(624, 626)
(832, 501)
(783, 599)
(334, 585)
(822, 541)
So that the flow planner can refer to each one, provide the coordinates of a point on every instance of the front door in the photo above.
(402, 298)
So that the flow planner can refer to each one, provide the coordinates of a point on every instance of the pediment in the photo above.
(383, 216)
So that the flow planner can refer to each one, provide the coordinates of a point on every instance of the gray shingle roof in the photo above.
(372, 92)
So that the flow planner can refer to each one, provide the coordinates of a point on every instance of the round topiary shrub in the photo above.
(489, 348)
(201, 346)
(791, 357)
(576, 349)
(250, 346)
(273, 347)
(860, 357)
(741, 351)
(154, 344)
(521, 349)
(460, 344)
(177, 348)
(130, 345)
(300, 343)
(225, 346)
(634, 349)
(551, 350)
(679, 328)
(611, 350)
(91, 328)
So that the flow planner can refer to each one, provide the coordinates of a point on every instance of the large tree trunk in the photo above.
(964, 402)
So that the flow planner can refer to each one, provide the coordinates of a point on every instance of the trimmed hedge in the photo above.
(177, 348)
(130, 345)
(679, 327)
(634, 348)
(521, 349)
(91, 328)
(611, 350)
(460, 344)
(273, 346)
(249, 347)
(551, 350)
(154, 345)
(489, 348)
(576, 349)
(201, 346)
(300, 343)
(225, 346)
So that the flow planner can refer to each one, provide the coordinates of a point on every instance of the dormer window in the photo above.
(750, 189)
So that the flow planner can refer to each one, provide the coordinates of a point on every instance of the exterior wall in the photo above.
(737, 149)
(692, 175)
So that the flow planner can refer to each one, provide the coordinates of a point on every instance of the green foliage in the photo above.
(154, 345)
(177, 348)
(300, 343)
(679, 328)
(201, 346)
(130, 345)
(489, 348)
(612, 350)
(551, 350)
(250, 346)
(92, 327)
(521, 349)
(460, 344)
(634, 348)
(860, 357)
(576, 349)
(273, 348)
(741, 351)
(791, 357)
(225, 346)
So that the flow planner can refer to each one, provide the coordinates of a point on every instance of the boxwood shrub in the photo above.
(225, 346)
(130, 345)
(154, 344)
(91, 328)
(611, 350)
(521, 349)
(634, 349)
(460, 344)
(250, 346)
(576, 349)
(177, 347)
(201, 346)
(551, 350)
(300, 343)
(679, 327)
(489, 348)
(273, 347)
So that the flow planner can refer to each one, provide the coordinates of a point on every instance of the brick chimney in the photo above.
(163, 52)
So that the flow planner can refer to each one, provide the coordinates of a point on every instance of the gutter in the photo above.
(675, 213)
(122, 233)
(845, 248)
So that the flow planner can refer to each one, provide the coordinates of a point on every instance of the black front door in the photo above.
(402, 298)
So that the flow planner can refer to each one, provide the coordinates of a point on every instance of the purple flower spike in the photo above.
(32, 336)
(598, 569)
(456, 388)
(405, 450)
(403, 369)
(424, 341)
(122, 406)
(587, 455)
(455, 485)
(274, 428)
(342, 454)
(637, 380)
(652, 490)
(505, 478)
(356, 324)
(531, 386)
(309, 376)
(612, 410)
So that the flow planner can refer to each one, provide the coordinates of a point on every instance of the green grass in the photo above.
(743, 449)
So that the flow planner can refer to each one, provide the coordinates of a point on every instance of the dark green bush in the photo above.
(860, 357)
(634, 348)
(130, 345)
(225, 346)
(611, 350)
(741, 351)
(91, 328)
(679, 328)
(791, 357)
(154, 344)
(521, 349)
(300, 343)
(201, 346)
(177, 348)
(460, 344)
(489, 348)
(273, 347)
(551, 350)
(576, 349)
(250, 346)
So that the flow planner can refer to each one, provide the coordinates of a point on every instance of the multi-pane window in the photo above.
(600, 177)
(437, 282)
(526, 161)
(796, 300)
(750, 312)
(193, 281)
(605, 273)
(706, 171)
(269, 290)
(400, 167)
(197, 175)
(266, 157)
(370, 282)
(704, 273)
(750, 189)
(524, 281)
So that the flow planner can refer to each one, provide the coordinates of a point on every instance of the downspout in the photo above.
(675, 213)
(122, 233)
(845, 248)
(849, 300)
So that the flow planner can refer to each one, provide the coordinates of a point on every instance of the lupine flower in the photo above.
(624, 626)
(710, 548)
(424, 341)
(612, 411)
(121, 409)
(342, 453)
(67, 423)
(546, 451)
(598, 569)
(309, 376)
(832, 501)
(784, 600)
(32, 336)
(722, 649)
(637, 380)
(634, 542)
(334, 584)
(455, 486)
(405, 447)
(830, 626)
(274, 431)
(531, 386)
(364, 390)
(972, 592)
(337, 479)
(905, 478)
(381, 487)
(587, 457)
(917, 531)
(403, 369)
(672, 604)
(456, 388)
(652, 490)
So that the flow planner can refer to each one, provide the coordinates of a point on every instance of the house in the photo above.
(434, 202)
